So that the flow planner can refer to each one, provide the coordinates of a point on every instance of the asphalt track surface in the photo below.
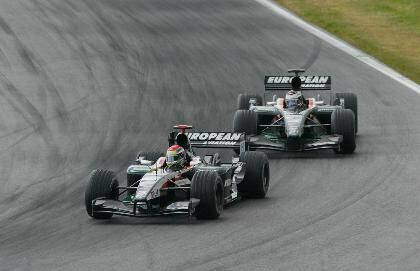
(86, 84)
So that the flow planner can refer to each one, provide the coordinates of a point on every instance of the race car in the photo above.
(200, 188)
(303, 115)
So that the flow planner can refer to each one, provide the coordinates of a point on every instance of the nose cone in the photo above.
(294, 144)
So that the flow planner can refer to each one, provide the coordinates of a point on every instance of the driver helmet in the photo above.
(176, 157)
(294, 101)
(296, 83)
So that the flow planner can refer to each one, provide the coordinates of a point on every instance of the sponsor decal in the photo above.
(215, 138)
(307, 81)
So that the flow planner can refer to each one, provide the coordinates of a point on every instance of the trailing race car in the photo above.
(181, 182)
(291, 122)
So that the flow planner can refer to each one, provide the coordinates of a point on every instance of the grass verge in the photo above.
(389, 30)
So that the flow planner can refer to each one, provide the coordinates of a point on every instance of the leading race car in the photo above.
(293, 122)
(181, 182)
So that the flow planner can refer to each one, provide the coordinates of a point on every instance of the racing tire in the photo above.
(343, 123)
(243, 101)
(102, 183)
(208, 188)
(245, 121)
(132, 178)
(257, 174)
(350, 102)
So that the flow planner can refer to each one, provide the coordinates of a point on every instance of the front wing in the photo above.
(261, 142)
(143, 208)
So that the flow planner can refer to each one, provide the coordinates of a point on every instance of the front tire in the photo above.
(245, 121)
(102, 183)
(257, 174)
(343, 123)
(350, 102)
(208, 188)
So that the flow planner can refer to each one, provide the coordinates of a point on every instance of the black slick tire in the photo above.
(245, 121)
(350, 102)
(101, 183)
(208, 188)
(257, 174)
(343, 123)
(243, 100)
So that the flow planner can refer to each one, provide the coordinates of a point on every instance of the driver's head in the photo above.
(176, 157)
(294, 101)
(296, 83)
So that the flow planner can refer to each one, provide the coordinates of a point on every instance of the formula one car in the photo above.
(200, 188)
(291, 122)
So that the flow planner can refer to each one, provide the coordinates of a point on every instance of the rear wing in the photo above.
(227, 140)
(276, 83)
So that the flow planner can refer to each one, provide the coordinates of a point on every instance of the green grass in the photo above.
(387, 29)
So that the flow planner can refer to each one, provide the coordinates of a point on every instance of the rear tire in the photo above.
(257, 174)
(208, 188)
(243, 101)
(350, 102)
(343, 123)
(102, 183)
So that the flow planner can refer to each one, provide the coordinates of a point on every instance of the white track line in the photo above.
(340, 44)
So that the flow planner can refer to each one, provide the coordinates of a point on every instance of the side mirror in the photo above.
(146, 162)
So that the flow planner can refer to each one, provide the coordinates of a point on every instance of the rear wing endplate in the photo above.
(276, 83)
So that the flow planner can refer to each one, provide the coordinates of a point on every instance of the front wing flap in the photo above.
(142, 208)
(325, 142)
